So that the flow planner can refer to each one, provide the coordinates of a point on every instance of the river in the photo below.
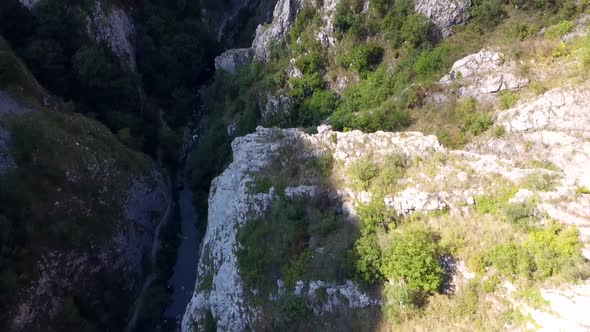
(187, 257)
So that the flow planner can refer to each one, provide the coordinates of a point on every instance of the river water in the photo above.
(185, 269)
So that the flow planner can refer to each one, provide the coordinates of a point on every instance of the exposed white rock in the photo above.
(231, 59)
(8, 106)
(276, 105)
(484, 73)
(283, 16)
(347, 294)
(113, 26)
(326, 32)
(444, 14)
(29, 3)
(413, 200)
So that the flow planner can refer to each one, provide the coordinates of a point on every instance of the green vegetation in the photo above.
(508, 99)
(556, 31)
(40, 208)
(282, 243)
(413, 258)
(583, 190)
(544, 253)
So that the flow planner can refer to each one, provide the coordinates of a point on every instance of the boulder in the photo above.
(444, 14)
(483, 74)
(231, 59)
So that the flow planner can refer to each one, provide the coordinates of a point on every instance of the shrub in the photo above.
(345, 18)
(306, 85)
(522, 214)
(318, 107)
(473, 121)
(401, 302)
(555, 32)
(583, 190)
(413, 258)
(290, 309)
(508, 99)
(374, 214)
(539, 181)
(430, 64)
(310, 63)
(487, 13)
(414, 31)
(368, 259)
(363, 58)
(362, 172)
(553, 247)
(521, 30)
(511, 260)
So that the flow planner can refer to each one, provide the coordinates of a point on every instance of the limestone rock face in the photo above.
(29, 3)
(113, 26)
(484, 73)
(8, 106)
(326, 33)
(231, 59)
(444, 14)
(283, 16)
(277, 105)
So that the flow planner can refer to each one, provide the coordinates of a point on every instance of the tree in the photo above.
(413, 258)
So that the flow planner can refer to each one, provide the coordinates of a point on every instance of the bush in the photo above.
(413, 258)
(473, 121)
(310, 63)
(317, 108)
(374, 214)
(362, 172)
(555, 32)
(432, 63)
(414, 31)
(522, 214)
(487, 13)
(521, 30)
(511, 260)
(363, 58)
(508, 99)
(553, 247)
(401, 302)
(368, 259)
(306, 85)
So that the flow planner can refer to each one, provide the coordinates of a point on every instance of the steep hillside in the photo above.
(78, 210)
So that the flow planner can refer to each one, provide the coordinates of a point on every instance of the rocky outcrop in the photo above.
(283, 17)
(326, 33)
(111, 24)
(444, 14)
(8, 106)
(29, 3)
(276, 106)
(483, 74)
(230, 60)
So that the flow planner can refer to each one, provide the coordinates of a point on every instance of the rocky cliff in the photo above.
(537, 130)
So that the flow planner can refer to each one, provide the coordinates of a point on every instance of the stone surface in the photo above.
(283, 16)
(29, 3)
(112, 25)
(444, 14)
(8, 106)
(276, 105)
(231, 59)
(483, 74)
